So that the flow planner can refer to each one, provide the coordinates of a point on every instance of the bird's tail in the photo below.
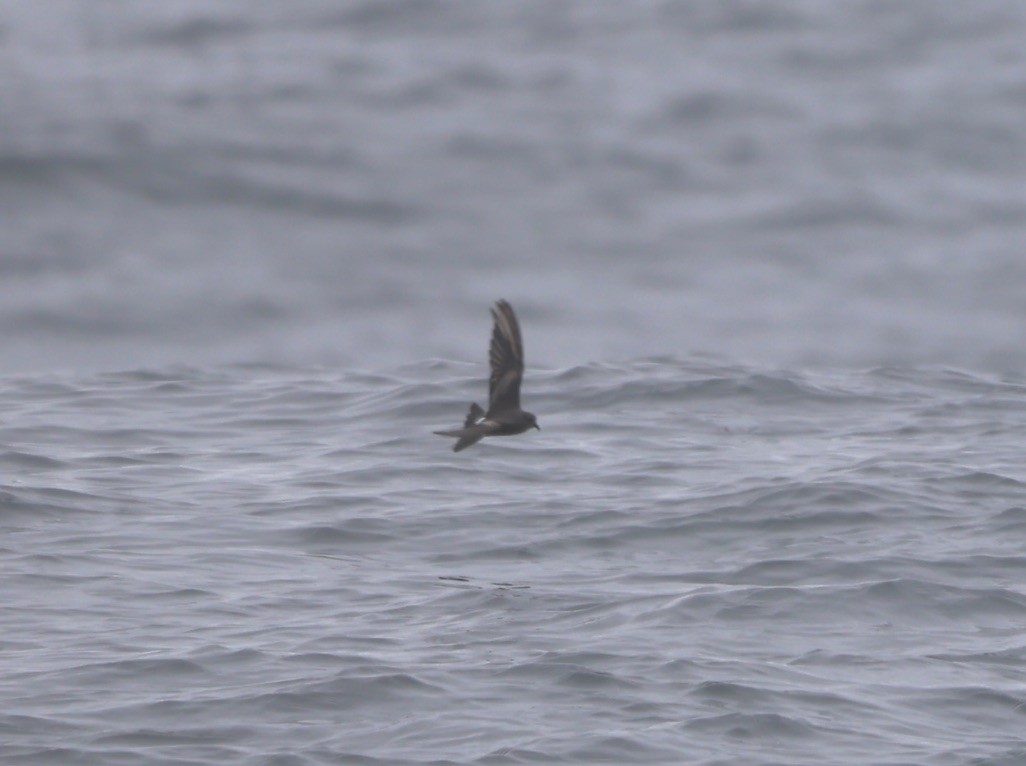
(471, 433)
(465, 436)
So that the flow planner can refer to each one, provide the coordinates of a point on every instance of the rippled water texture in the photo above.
(330, 181)
(693, 562)
(768, 259)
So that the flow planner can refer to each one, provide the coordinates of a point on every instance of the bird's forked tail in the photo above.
(472, 431)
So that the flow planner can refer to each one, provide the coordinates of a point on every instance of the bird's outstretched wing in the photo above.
(506, 357)
(467, 436)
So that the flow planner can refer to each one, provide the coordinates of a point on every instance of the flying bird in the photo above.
(504, 416)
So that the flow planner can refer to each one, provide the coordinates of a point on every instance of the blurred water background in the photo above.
(767, 258)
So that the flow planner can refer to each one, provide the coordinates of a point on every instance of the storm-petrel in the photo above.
(506, 357)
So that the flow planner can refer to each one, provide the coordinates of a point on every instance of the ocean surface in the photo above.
(768, 262)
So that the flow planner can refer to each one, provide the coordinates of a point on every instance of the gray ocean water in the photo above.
(768, 262)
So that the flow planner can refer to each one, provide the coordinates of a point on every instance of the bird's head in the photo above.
(532, 420)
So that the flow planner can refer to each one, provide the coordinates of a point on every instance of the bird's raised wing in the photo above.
(506, 357)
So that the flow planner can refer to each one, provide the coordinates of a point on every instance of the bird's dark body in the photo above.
(506, 359)
(508, 427)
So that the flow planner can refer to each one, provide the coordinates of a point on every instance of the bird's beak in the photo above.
(537, 426)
